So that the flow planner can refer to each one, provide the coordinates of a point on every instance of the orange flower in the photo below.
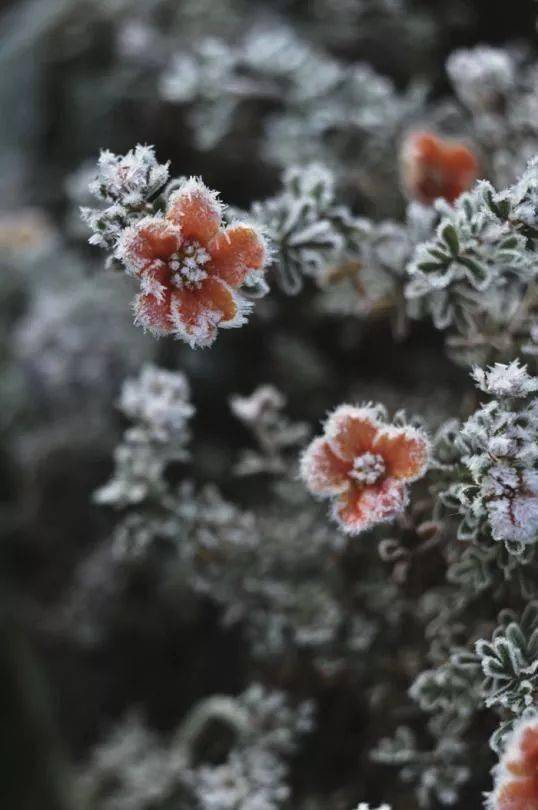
(190, 268)
(365, 465)
(517, 775)
(432, 167)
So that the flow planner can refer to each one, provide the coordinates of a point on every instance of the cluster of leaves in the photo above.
(494, 565)
(477, 277)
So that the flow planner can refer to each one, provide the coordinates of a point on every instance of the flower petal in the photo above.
(236, 251)
(196, 209)
(362, 507)
(433, 167)
(323, 472)
(152, 312)
(196, 314)
(521, 794)
(404, 450)
(351, 431)
(151, 238)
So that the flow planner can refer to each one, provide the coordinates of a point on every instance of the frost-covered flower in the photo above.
(190, 268)
(432, 167)
(364, 465)
(516, 777)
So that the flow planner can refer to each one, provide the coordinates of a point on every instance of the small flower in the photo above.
(364, 465)
(432, 167)
(516, 781)
(190, 268)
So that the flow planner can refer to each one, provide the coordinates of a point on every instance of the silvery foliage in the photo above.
(318, 98)
(509, 663)
(133, 769)
(495, 454)
(476, 278)
(499, 673)
(125, 186)
(499, 527)
(499, 88)
(263, 413)
(280, 572)
(157, 402)
(372, 279)
(276, 573)
(306, 227)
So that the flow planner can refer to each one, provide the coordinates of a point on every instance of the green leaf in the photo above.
(451, 238)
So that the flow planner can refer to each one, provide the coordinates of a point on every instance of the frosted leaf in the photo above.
(481, 75)
(159, 400)
(510, 380)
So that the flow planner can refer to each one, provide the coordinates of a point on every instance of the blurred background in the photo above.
(234, 91)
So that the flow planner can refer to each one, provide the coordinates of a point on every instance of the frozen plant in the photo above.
(157, 402)
(497, 448)
(307, 228)
(125, 185)
(477, 277)
(188, 267)
(364, 465)
(262, 414)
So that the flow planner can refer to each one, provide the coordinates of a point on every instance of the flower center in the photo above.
(368, 468)
(187, 266)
